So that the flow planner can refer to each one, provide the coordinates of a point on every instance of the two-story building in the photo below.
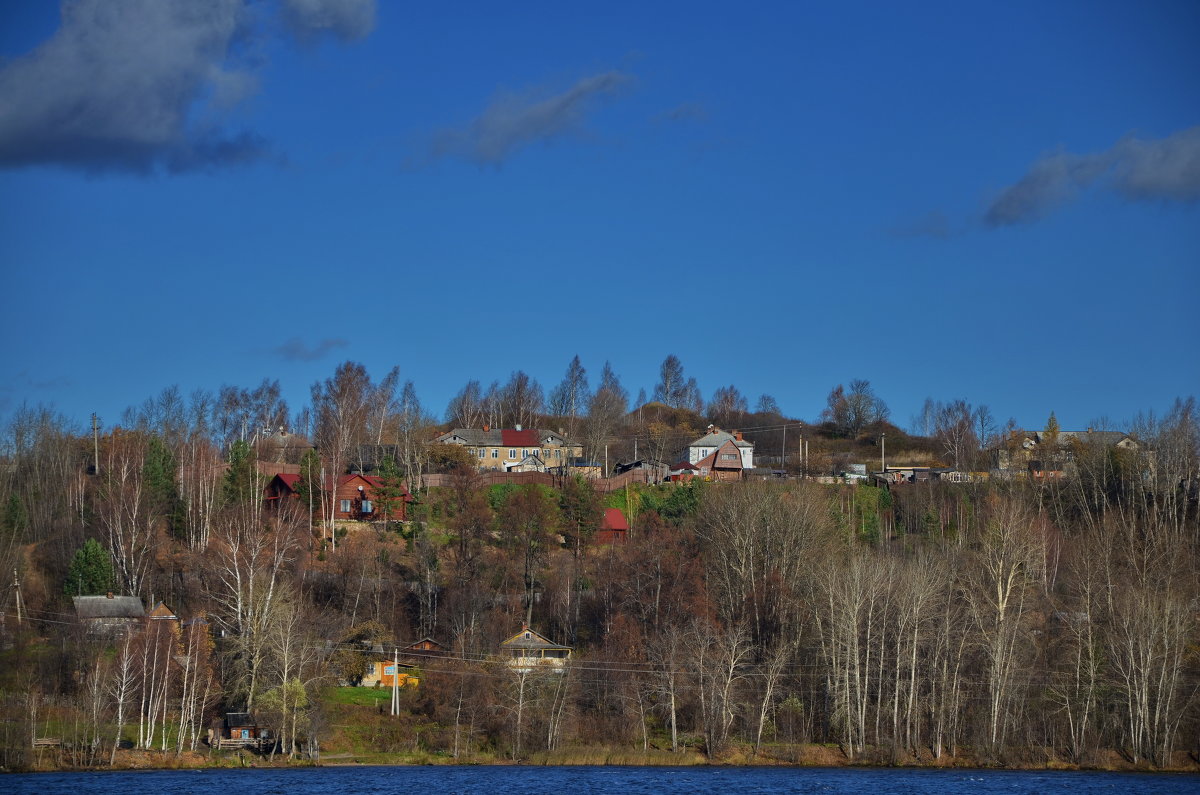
(514, 449)
(720, 455)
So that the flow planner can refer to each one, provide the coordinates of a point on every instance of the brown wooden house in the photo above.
(356, 497)
(529, 651)
(423, 648)
(614, 527)
(239, 730)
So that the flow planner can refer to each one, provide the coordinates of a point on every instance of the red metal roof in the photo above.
(613, 519)
(524, 438)
(289, 480)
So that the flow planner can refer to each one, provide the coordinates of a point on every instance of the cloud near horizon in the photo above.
(142, 86)
(296, 350)
(1165, 169)
(513, 121)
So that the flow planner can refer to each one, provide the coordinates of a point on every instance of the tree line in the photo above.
(1013, 621)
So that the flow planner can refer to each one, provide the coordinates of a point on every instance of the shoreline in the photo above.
(807, 757)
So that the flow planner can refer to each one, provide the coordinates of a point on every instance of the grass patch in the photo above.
(358, 696)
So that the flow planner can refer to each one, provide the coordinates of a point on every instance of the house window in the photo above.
(495, 453)
(482, 452)
(512, 453)
(728, 456)
(366, 506)
(524, 454)
(345, 506)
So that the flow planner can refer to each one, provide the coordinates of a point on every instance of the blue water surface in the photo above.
(501, 780)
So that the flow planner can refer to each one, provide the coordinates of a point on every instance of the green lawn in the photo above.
(358, 696)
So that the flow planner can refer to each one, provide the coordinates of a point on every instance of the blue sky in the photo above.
(998, 202)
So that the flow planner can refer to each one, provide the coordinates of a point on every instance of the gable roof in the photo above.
(161, 611)
(108, 607)
(613, 519)
(529, 639)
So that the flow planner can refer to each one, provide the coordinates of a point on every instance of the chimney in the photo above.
(486, 428)
(517, 426)
(110, 596)
(737, 435)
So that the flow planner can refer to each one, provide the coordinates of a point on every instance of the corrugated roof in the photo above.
(108, 607)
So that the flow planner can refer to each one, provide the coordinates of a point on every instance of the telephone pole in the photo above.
(17, 590)
(395, 681)
(95, 444)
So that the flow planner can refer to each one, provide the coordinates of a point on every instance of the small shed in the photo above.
(614, 527)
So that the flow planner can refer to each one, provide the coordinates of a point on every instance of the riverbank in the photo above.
(798, 755)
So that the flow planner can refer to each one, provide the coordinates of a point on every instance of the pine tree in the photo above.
(90, 572)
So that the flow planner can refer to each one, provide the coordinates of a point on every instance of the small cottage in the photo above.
(614, 527)
(528, 651)
(239, 730)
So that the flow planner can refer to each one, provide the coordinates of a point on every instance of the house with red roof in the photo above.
(359, 498)
(514, 449)
(614, 527)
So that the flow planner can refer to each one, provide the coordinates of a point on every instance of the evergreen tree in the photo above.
(243, 483)
(90, 572)
(159, 475)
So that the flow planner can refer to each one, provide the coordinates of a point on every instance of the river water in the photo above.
(502, 780)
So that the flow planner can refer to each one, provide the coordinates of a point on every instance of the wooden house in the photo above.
(423, 648)
(529, 651)
(614, 527)
(109, 614)
(384, 673)
(356, 497)
(239, 730)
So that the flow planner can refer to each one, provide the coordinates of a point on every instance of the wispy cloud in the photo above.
(296, 350)
(345, 19)
(144, 85)
(513, 121)
(1166, 169)
(933, 224)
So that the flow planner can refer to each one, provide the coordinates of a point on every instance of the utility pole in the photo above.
(17, 590)
(95, 444)
(783, 452)
(883, 452)
(395, 681)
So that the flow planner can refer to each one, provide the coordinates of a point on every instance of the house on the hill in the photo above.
(1049, 456)
(529, 651)
(720, 455)
(614, 527)
(423, 648)
(384, 673)
(507, 449)
(162, 613)
(109, 614)
(356, 497)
